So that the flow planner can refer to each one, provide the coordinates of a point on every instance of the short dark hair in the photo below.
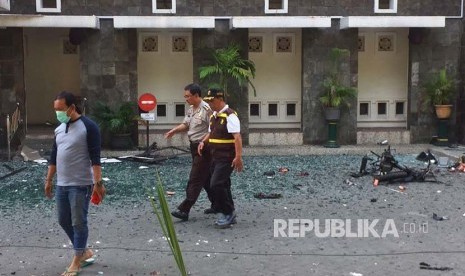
(69, 98)
(194, 88)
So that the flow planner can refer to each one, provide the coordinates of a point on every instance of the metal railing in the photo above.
(12, 126)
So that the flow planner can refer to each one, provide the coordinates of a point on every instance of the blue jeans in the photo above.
(73, 207)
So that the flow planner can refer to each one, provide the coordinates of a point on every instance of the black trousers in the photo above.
(199, 178)
(220, 184)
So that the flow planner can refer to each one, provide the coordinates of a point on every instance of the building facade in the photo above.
(115, 51)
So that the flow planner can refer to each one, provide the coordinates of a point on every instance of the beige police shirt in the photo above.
(197, 121)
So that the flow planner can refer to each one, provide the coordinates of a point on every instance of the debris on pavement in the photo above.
(303, 173)
(348, 182)
(283, 170)
(12, 171)
(439, 218)
(109, 160)
(263, 195)
(356, 274)
(269, 174)
(424, 265)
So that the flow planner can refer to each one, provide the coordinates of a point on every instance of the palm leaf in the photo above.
(167, 226)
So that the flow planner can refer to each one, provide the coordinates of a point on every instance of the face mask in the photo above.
(62, 117)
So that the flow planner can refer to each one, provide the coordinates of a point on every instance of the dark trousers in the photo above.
(199, 178)
(220, 184)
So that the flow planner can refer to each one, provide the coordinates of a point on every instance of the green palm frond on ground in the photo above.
(162, 212)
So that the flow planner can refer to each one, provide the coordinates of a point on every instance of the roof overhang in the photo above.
(55, 21)
(393, 22)
(165, 22)
(281, 22)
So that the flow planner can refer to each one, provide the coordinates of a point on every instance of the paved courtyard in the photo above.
(127, 239)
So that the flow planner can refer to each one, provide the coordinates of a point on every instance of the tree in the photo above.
(228, 64)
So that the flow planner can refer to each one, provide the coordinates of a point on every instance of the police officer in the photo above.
(225, 142)
(196, 124)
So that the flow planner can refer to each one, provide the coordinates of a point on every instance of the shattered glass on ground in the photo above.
(294, 176)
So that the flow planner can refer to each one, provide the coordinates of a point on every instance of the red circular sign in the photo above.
(147, 102)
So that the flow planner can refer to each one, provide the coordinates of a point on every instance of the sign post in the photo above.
(147, 102)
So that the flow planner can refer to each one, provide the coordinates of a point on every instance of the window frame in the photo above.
(268, 109)
(175, 105)
(276, 11)
(166, 110)
(259, 110)
(382, 116)
(166, 11)
(5, 5)
(40, 7)
(392, 7)
(368, 115)
(295, 109)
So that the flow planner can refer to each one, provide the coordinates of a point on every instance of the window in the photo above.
(276, 6)
(4, 5)
(400, 108)
(385, 6)
(164, 6)
(161, 110)
(382, 109)
(273, 109)
(180, 110)
(48, 5)
(254, 109)
(290, 109)
(364, 109)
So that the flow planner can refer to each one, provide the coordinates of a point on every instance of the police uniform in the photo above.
(197, 121)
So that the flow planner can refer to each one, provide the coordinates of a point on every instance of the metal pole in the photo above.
(147, 138)
(8, 135)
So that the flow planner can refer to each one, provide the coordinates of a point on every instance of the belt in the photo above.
(221, 141)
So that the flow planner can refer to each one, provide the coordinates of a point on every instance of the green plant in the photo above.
(228, 64)
(117, 120)
(167, 226)
(440, 89)
(335, 93)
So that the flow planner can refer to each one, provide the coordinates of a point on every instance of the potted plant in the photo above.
(118, 121)
(228, 64)
(439, 92)
(335, 93)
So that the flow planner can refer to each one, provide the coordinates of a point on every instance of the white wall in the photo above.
(165, 73)
(47, 71)
(383, 76)
(278, 79)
